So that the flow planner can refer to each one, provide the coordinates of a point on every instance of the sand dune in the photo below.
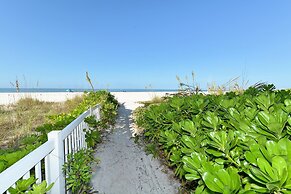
(128, 98)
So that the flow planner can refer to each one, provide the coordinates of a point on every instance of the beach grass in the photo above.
(21, 119)
(154, 100)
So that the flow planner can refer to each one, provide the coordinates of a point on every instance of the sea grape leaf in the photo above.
(212, 182)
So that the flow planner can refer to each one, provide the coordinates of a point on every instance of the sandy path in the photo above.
(125, 168)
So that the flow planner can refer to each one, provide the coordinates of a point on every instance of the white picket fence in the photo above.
(50, 156)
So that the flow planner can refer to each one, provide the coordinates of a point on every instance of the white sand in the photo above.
(10, 98)
(129, 99)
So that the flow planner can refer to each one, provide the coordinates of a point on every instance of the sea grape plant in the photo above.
(231, 143)
(30, 186)
(78, 170)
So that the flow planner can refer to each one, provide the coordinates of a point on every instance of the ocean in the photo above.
(13, 90)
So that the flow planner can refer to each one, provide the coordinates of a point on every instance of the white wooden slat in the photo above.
(85, 126)
(46, 168)
(82, 134)
(79, 136)
(76, 138)
(70, 143)
(37, 169)
(73, 142)
(66, 149)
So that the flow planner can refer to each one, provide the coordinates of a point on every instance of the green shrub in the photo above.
(29, 186)
(78, 171)
(93, 134)
(232, 143)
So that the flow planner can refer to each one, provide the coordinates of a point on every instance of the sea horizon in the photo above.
(35, 90)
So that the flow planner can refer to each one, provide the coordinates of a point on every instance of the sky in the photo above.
(141, 43)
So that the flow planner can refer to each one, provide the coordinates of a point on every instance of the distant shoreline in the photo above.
(72, 90)
(7, 98)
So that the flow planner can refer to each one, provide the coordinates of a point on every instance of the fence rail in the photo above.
(46, 162)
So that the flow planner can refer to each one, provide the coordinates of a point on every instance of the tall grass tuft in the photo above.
(89, 80)
(22, 118)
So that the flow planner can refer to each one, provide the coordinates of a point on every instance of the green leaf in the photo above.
(199, 189)
(258, 176)
(189, 127)
(189, 142)
(192, 176)
(251, 157)
(281, 168)
(212, 182)
(287, 102)
(223, 176)
(259, 189)
(264, 118)
(22, 185)
(41, 188)
(235, 179)
(215, 153)
(192, 163)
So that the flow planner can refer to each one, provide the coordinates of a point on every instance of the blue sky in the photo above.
(134, 43)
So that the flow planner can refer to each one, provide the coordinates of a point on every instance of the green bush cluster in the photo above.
(93, 132)
(232, 143)
(78, 171)
(30, 186)
(57, 122)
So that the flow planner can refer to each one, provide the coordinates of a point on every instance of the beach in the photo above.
(10, 98)
(129, 99)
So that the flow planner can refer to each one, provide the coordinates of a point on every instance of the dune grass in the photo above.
(154, 100)
(21, 119)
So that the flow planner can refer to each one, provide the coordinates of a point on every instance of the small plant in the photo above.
(29, 186)
(233, 85)
(186, 88)
(154, 100)
(213, 88)
(93, 135)
(79, 172)
(151, 148)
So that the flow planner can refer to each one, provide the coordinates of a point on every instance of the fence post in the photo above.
(55, 164)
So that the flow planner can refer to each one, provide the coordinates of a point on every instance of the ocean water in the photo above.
(12, 90)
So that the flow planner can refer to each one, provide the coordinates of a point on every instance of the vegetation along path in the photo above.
(125, 167)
